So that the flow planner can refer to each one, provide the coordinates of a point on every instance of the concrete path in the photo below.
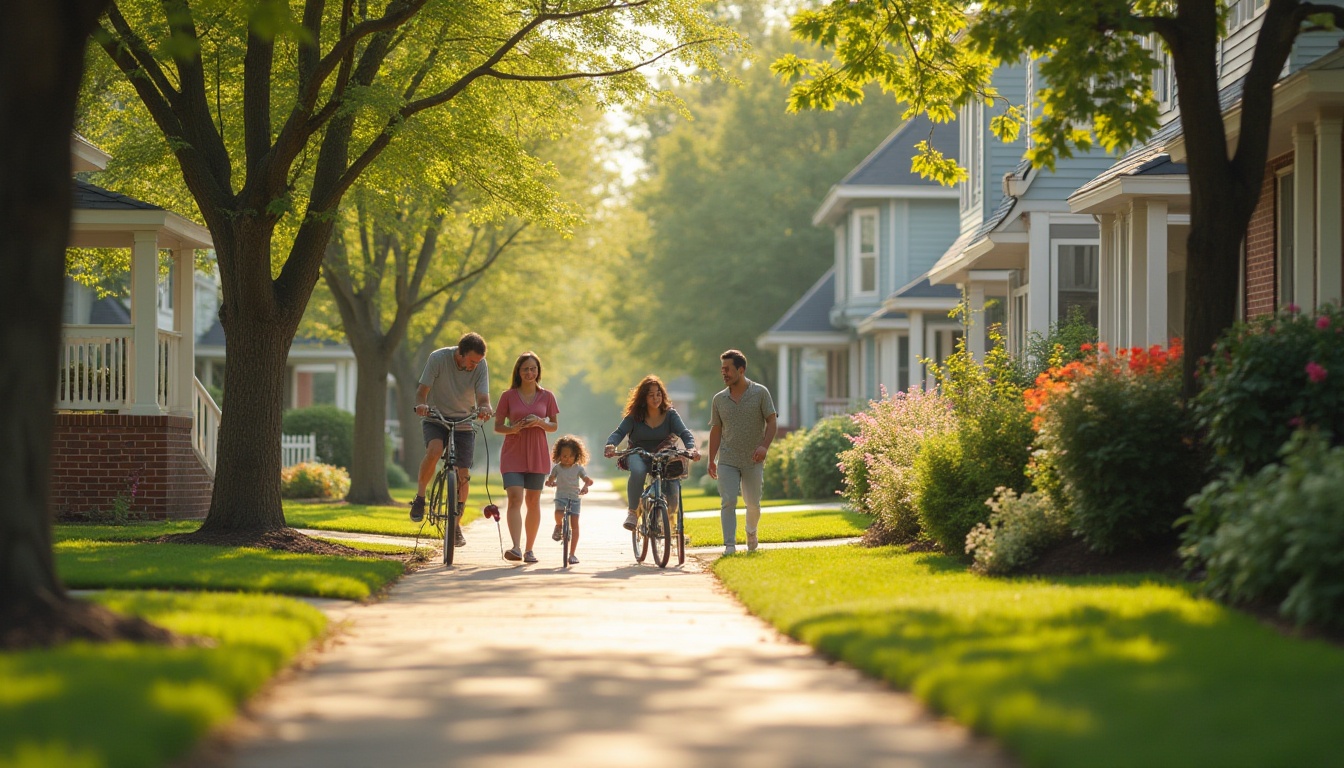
(609, 663)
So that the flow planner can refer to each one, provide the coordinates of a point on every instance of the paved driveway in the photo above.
(607, 664)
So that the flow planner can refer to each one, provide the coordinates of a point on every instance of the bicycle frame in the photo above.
(443, 511)
(646, 528)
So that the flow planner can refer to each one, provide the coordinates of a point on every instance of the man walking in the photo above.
(455, 379)
(742, 422)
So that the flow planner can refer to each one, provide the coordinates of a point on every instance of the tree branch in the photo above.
(492, 72)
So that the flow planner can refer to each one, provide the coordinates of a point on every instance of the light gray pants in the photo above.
(732, 481)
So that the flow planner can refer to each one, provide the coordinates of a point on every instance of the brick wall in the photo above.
(1261, 295)
(96, 457)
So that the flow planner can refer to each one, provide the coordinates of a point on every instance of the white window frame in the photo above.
(1056, 245)
(972, 120)
(858, 256)
(1283, 288)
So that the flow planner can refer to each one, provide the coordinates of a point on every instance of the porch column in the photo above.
(1156, 288)
(1105, 282)
(931, 352)
(975, 321)
(1328, 240)
(1138, 275)
(144, 324)
(184, 323)
(917, 349)
(1304, 215)
(785, 407)
(343, 394)
(1039, 297)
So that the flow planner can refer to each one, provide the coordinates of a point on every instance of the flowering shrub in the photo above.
(1268, 377)
(1116, 445)
(779, 480)
(815, 462)
(878, 466)
(1276, 534)
(311, 480)
(1019, 528)
(989, 447)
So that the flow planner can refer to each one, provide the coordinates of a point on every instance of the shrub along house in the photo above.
(866, 323)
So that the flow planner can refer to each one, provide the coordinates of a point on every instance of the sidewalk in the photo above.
(607, 664)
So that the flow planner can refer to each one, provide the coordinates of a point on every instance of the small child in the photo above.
(570, 482)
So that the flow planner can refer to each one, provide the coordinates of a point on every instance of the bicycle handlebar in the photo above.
(435, 415)
(670, 452)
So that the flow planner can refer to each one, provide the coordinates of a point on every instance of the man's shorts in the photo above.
(530, 481)
(464, 439)
(568, 506)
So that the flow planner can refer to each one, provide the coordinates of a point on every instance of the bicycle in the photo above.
(566, 534)
(443, 516)
(652, 524)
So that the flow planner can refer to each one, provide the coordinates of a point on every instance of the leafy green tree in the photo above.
(935, 56)
(273, 110)
(41, 59)
(729, 201)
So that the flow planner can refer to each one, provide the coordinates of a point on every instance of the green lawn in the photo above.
(133, 565)
(1130, 670)
(89, 705)
(388, 521)
(784, 526)
(696, 500)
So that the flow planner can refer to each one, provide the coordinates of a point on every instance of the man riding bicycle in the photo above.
(455, 380)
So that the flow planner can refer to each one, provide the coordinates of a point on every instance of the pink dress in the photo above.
(526, 451)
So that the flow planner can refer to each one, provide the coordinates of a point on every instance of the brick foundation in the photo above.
(1261, 296)
(96, 457)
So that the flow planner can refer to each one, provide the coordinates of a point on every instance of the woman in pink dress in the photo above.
(525, 414)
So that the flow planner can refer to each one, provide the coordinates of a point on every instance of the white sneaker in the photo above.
(752, 542)
(731, 549)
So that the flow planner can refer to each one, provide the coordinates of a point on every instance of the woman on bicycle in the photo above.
(649, 420)
(525, 414)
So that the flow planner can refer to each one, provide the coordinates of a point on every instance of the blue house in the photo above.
(1022, 257)
(867, 322)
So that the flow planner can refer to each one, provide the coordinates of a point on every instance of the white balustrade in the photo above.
(95, 368)
(165, 368)
(204, 424)
(833, 407)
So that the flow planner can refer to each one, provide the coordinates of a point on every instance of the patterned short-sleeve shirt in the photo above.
(742, 423)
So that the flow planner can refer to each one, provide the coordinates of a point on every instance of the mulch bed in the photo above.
(282, 540)
(1075, 558)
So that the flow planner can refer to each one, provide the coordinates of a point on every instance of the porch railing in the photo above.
(827, 407)
(204, 424)
(297, 449)
(95, 372)
(165, 382)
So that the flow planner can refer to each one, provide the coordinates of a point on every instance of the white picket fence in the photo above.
(296, 449)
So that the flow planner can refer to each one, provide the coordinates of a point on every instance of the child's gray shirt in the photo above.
(568, 480)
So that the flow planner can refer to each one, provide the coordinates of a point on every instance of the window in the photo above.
(1284, 215)
(865, 252)
(1076, 278)
(973, 148)
(903, 362)
(1242, 12)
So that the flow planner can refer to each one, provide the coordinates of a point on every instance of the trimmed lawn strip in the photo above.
(124, 704)
(132, 565)
(696, 500)
(1064, 671)
(136, 531)
(387, 521)
(808, 525)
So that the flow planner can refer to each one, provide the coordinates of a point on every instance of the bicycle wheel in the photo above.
(660, 533)
(566, 535)
(681, 536)
(451, 520)
(639, 537)
(434, 504)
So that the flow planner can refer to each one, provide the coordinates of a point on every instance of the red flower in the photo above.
(1316, 372)
(1323, 322)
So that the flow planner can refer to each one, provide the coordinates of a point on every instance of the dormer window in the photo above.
(865, 252)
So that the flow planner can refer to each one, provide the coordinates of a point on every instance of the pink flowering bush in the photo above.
(1268, 377)
(878, 466)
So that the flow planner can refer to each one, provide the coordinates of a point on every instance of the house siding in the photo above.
(1261, 245)
(933, 226)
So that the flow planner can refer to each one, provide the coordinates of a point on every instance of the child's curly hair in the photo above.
(574, 443)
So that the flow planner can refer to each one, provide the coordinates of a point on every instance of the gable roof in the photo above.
(812, 312)
(92, 197)
(922, 288)
(889, 163)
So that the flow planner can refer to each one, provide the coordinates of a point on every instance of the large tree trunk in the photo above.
(1212, 254)
(41, 61)
(368, 470)
(407, 374)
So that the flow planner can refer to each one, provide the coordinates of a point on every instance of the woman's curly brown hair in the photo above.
(575, 444)
(637, 405)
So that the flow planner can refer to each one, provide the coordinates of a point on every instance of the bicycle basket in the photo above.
(677, 469)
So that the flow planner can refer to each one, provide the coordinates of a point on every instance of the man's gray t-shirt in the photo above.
(741, 423)
(453, 390)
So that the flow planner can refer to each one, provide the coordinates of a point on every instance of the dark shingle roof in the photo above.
(109, 311)
(812, 312)
(92, 197)
(921, 288)
(889, 164)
